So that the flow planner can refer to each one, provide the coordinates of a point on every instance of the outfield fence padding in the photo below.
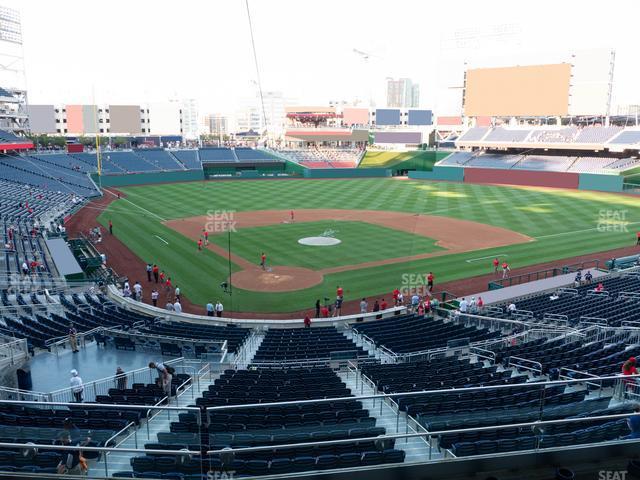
(604, 183)
(522, 177)
(148, 178)
(346, 172)
(442, 173)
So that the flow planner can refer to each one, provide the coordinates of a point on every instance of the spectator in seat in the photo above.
(599, 288)
(70, 460)
(628, 369)
(634, 424)
(511, 308)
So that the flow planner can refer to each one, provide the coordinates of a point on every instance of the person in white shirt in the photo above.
(464, 305)
(169, 306)
(511, 308)
(154, 297)
(473, 308)
(177, 307)
(363, 305)
(25, 268)
(219, 309)
(137, 288)
(77, 387)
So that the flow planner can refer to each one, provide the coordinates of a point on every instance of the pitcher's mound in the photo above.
(319, 241)
(279, 279)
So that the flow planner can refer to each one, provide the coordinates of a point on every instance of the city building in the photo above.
(402, 93)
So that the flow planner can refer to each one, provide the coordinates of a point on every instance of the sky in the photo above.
(140, 51)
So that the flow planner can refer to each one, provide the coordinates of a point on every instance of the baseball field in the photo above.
(387, 232)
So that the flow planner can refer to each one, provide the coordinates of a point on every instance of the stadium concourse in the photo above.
(537, 381)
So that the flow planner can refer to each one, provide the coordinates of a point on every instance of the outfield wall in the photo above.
(346, 172)
(522, 177)
(442, 173)
(148, 178)
(605, 183)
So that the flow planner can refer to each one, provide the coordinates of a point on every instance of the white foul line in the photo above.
(484, 258)
(135, 205)
(161, 239)
(585, 230)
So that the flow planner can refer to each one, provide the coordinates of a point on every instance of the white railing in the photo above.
(102, 386)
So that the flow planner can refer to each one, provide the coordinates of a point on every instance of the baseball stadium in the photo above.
(323, 290)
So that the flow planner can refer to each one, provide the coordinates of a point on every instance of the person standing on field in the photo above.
(219, 309)
(496, 265)
(430, 281)
(263, 261)
(505, 269)
(155, 270)
(199, 244)
(110, 227)
(205, 234)
(149, 269)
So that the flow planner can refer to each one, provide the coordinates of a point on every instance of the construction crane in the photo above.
(366, 57)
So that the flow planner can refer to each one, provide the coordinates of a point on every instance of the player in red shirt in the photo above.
(167, 285)
(396, 294)
(383, 304)
(155, 270)
(324, 311)
(162, 277)
(339, 292)
(496, 264)
(430, 281)
(292, 215)
(263, 261)
(205, 234)
(199, 244)
(505, 269)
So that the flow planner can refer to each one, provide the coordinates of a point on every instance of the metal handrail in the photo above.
(525, 367)
(436, 433)
(420, 393)
(97, 405)
(108, 380)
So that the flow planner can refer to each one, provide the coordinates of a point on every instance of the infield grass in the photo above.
(360, 242)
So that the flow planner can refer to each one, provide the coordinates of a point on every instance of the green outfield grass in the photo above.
(361, 242)
(564, 223)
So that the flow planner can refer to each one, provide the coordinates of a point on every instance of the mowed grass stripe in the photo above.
(200, 275)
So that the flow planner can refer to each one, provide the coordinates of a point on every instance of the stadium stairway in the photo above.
(149, 429)
(248, 350)
(416, 449)
(368, 347)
